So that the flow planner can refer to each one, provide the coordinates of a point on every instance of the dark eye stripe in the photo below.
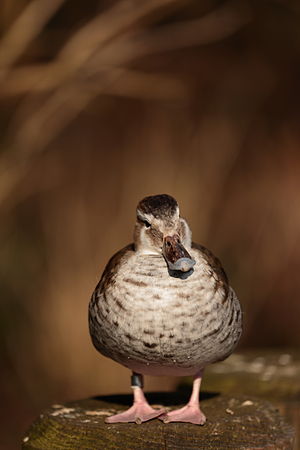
(146, 223)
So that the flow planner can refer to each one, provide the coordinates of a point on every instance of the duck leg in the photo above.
(191, 412)
(140, 411)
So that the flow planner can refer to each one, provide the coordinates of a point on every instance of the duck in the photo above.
(164, 307)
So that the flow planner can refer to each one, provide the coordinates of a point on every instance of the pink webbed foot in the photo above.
(189, 413)
(138, 413)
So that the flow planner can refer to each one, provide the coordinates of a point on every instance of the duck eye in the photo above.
(146, 223)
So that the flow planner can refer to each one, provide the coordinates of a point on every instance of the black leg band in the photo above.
(137, 380)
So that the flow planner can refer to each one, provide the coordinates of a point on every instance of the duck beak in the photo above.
(176, 255)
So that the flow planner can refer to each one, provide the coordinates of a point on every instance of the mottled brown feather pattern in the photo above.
(158, 205)
(157, 320)
(157, 324)
(216, 267)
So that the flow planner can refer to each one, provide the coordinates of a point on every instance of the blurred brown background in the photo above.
(104, 102)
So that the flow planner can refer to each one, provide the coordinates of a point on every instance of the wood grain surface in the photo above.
(234, 422)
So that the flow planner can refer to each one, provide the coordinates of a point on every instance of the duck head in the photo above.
(160, 230)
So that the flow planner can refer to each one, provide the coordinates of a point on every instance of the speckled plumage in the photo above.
(157, 321)
(158, 324)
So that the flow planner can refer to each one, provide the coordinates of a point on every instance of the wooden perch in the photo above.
(238, 422)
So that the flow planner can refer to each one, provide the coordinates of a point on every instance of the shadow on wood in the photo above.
(178, 397)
